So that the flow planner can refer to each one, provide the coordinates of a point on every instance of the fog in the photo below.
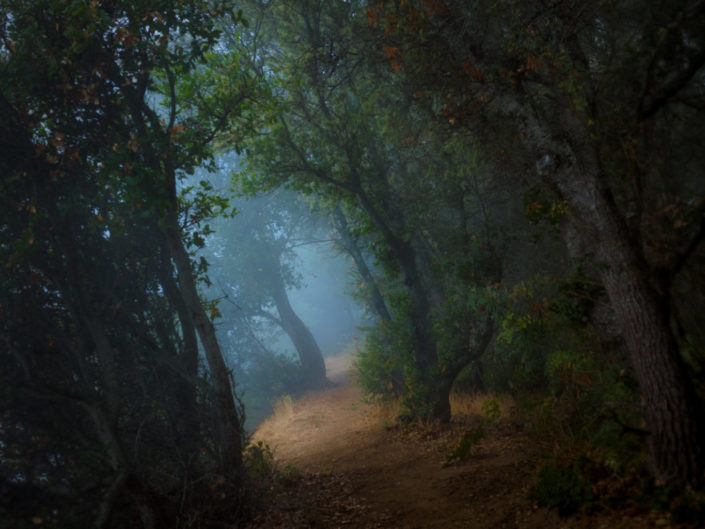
(277, 284)
(324, 299)
(210, 211)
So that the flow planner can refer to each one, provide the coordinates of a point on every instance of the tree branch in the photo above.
(683, 256)
(645, 111)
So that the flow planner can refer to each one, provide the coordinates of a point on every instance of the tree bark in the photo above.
(187, 423)
(672, 409)
(376, 299)
(229, 416)
(110, 498)
(312, 363)
(671, 406)
(229, 424)
(437, 402)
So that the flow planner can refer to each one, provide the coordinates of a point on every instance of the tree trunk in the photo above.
(229, 425)
(187, 423)
(436, 389)
(671, 406)
(312, 363)
(436, 398)
(376, 299)
(229, 416)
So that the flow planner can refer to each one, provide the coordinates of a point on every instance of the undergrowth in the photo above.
(563, 487)
(683, 507)
(472, 437)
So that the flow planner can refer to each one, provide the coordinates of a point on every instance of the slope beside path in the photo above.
(350, 466)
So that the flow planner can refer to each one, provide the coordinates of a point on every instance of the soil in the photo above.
(343, 463)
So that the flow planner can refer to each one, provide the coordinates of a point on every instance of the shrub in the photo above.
(383, 362)
(267, 377)
(258, 460)
(684, 506)
(563, 487)
(688, 507)
(472, 437)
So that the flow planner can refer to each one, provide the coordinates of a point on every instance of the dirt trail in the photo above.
(358, 470)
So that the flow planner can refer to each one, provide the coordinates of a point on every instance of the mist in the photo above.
(466, 239)
(325, 298)
(283, 293)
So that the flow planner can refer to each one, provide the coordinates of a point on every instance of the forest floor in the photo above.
(343, 463)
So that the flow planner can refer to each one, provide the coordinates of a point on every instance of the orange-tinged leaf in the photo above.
(433, 6)
(391, 51)
(532, 64)
(372, 17)
(176, 129)
(132, 144)
(472, 70)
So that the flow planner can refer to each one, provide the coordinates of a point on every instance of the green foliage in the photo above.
(689, 507)
(472, 437)
(258, 460)
(490, 407)
(568, 385)
(469, 440)
(108, 106)
(285, 403)
(381, 364)
(545, 340)
(542, 207)
(684, 506)
(94, 137)
(592, 400)
(387, 367)
(527, 330)
(563, 487)
(462, 318)
(419, 396)
(265, 377)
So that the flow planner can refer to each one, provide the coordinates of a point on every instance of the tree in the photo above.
(580, 96)
(338, 136)
(99, 303)
(350, 245)
(257, 266)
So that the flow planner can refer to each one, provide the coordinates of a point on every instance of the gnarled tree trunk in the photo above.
(672, 410)
(312, 364)
(229, 416)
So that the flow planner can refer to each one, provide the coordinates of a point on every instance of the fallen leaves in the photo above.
(318, 500)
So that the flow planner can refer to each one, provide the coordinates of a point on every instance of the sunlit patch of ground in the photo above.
(319, 425)
(464, 405)
(359, 468)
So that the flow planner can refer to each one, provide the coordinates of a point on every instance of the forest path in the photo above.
(350, 466)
